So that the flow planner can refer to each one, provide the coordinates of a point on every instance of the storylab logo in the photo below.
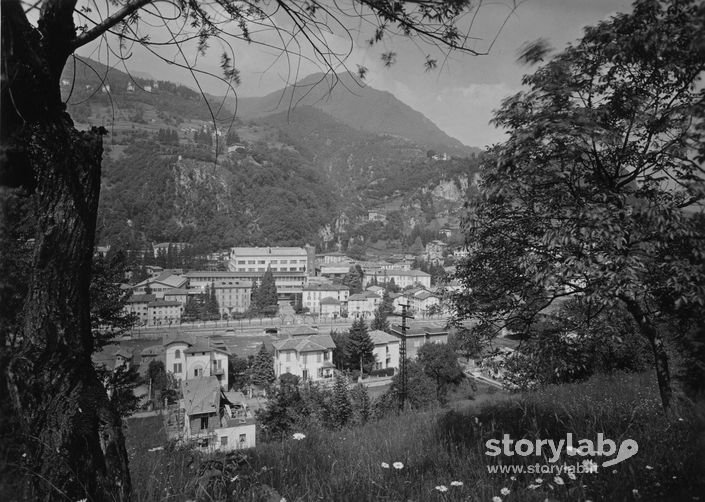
(551, 450)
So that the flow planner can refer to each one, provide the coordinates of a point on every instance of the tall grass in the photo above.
(439, 447)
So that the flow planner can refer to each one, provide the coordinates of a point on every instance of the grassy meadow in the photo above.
(440, 454)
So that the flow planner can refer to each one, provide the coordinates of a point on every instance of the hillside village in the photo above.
(317, 295)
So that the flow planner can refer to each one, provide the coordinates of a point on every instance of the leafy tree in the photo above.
(391, 286)
(289, 380)
(156, 373)
(380, 322)
(420, 390)
(574, 344)
(440, 363)
(354, 279)
(588, 196)
(48, 161)
(120, 383)
(191, 309)
(417, 248)
(281, 413)
(263, 368)
(238, 372)
(359, 347)
(467, 342)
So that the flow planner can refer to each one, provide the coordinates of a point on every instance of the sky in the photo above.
(459, 96)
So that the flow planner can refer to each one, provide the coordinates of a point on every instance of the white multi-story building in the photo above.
(308, 357)
(405, 278)
(386, 350)
(288, 283)
(278, 259)
(188, 360)
(314, 293)
(162, 312)
(233, 296)
(363, 305)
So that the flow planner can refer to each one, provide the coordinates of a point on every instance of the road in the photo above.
(252, 327)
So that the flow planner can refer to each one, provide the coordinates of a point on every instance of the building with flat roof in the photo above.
(278, 259)
(288, 283)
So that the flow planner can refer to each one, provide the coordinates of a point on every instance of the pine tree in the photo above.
(359, 347)
(263, 368)
(341, 408)
(254, 297)
(362, 405)
(267, 297)
(212, 307)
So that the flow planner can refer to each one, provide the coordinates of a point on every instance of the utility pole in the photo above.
(402, 356)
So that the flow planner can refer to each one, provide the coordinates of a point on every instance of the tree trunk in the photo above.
(70, 443)
(647, 329)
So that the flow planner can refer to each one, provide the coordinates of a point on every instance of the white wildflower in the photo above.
(571, 475)
(299, 436)
(385, 465)
(442, 488)
(513, 478)
(533, 486)
(398, 465)
(496, 499)
(649, 468)
(538, 481)
(456, 483)
(505, 491)
(589, 466)
(558, 480)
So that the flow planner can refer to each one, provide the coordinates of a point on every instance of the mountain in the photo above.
(308, 174)
(357, 105)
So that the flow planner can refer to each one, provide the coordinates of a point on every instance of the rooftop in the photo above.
(268, 251)
(141, 299)
(201, 395)
(381, 338)
(312, 343)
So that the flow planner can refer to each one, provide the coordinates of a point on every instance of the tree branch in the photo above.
(108, 23)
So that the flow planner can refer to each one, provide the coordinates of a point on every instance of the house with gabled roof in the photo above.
(188, 358)
(417, 336)
(212, 420)
(158, 285)
(386, 350)
(363, 305)
(310, 357)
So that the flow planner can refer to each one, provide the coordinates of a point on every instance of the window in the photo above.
(243, 438)
(260, 262)
(177, 367)
(223, 440)
(177, 354)
(198, 372)
(319, 357)
(204, 423)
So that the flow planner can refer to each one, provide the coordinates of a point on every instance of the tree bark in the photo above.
(648, 329)
(70, 444)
